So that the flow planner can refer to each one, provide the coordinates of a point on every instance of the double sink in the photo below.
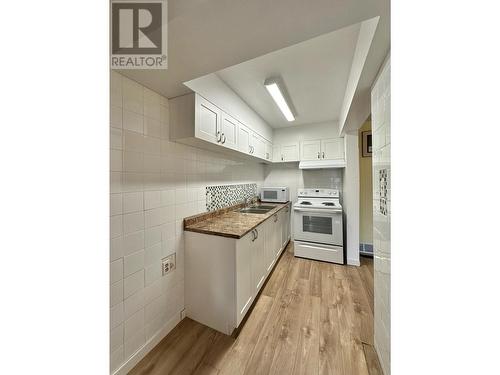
(260, 209)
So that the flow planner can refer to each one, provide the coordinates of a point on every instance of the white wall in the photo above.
(365, 192)
(350, 203)
(289, 174)
(306, 132)
(381, 128)
(155, 183)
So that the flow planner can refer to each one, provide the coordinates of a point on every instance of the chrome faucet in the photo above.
(250, 201)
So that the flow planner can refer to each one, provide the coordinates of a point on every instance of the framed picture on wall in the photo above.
(366, 144)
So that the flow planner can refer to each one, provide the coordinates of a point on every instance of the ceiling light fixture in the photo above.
(278, 94)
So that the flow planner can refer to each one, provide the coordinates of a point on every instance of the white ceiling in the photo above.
(205, 36)
(315, 73)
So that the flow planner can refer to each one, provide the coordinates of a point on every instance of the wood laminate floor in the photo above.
(310, 318)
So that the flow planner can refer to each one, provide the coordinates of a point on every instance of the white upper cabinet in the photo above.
(325, 149)
(332, 148)
(290, 151)
(244, 139)
(277, 154)
(310, 150)
(208, 120)
(286, 152)
(259, 146)
(269, 150)
(229, 131)
(196, 121)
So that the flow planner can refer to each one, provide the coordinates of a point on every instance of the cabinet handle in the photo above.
(318, 154)
(257, 233)
(275, 218)
(281, 157)
(223, 138)
(254, 237)
(218, 136)
(323, 154)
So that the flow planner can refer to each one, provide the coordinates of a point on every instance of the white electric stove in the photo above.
(318, 227)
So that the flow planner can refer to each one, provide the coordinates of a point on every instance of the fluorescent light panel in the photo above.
(275, 92)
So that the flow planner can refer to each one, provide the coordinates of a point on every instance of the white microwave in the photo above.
(274, 194)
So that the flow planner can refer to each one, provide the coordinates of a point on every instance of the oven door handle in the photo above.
(319, 210)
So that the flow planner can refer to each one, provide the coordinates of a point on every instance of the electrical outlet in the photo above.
(167, 264)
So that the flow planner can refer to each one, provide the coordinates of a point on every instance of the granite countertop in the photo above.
(228, 222)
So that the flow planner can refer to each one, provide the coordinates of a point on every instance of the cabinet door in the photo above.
(257, 263)
(290, 152)
(259, 146)
(269, 151)
(332, 148)
(244, 287)
(310, 150)
(229, 131)
(208, 120)
(277, 157)
(271, 242)
(244, 139)
(278, 234)
(255, 144)
(286, 225)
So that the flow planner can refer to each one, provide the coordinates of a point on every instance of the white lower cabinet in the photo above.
(223, 276)
(244, 276)
(285, 228)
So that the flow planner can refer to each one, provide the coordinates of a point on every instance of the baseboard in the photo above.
(150, 344)
(353, 262)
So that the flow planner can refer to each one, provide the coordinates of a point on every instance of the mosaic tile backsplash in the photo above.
(382, 177)
(221, 196)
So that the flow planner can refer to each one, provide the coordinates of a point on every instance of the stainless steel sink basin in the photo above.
(256, 210)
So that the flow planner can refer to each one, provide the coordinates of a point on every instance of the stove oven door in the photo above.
(317, 225)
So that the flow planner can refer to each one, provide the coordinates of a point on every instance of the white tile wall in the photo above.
(154, 184)
(289, 174)
(381, 127)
